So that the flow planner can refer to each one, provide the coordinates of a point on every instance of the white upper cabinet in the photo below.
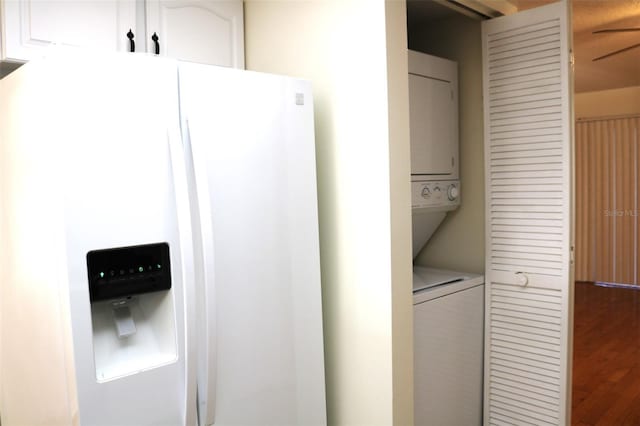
(205, 31)
(29, 26)
(208, 32)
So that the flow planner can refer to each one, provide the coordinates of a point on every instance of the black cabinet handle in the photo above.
(132, 44)
(155, 39)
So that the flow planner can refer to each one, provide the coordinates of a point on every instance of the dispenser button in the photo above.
(125, 326)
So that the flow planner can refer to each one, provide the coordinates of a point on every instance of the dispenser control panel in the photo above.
(127, 271)
(441, 195)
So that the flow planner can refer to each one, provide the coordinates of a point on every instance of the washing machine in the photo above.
(448, 321)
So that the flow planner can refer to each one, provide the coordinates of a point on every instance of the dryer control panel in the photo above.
(435, 195)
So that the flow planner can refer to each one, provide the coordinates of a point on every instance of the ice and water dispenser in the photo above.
(132, 310)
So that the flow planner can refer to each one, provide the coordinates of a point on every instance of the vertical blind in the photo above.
(607, 181)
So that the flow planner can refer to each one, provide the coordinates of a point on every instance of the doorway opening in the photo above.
(605, 377)
(606, 339)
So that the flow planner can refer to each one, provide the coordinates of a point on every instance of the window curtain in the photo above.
(607, 159)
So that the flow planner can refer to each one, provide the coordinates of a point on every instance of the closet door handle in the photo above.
(155, 39)
(132, 44)
(522, 279)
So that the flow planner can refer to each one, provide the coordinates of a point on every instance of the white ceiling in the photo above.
(621, 70)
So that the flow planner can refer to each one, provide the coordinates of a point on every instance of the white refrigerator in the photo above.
(159, 255)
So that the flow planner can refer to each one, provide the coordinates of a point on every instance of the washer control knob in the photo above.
(426, 192)
(452, 192)
(437, 192)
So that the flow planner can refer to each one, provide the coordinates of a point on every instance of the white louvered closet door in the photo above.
(528, 149)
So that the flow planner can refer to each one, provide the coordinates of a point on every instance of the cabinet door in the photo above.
(204, 31)
(31, 25)
(528, 169)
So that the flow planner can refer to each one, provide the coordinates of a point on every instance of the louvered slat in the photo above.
(532, 112)
(537, 331)
(539, 218)
(541, 161)
(517, 180)
(526, 153)
(525, 124)
(527, 157)
(525, 355)
(521, 170)
(523, 405)
(538, 398)
(525, 89)
(528, 31)
(522, 255)
(529, 54)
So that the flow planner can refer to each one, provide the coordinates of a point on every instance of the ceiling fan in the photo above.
(617, 30)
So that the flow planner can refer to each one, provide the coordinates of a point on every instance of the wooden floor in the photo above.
(606, 356)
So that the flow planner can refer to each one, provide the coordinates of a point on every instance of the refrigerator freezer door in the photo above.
(251, 144)
(110, 178)
(124, 192)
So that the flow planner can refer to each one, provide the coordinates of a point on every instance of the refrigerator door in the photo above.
(105, 130)
(250, 148)
(128, 188)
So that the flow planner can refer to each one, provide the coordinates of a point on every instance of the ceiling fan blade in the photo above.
(616, 30)
(633, 46)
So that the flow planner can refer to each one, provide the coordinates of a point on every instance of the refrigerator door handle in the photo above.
(205, 273)
(180, 183)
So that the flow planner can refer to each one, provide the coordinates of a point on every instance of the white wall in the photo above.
(400, 178)
(362, 147)
(459, 242)
(604, 103)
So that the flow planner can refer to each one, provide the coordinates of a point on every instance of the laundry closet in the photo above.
(498, 349)
(447, 282)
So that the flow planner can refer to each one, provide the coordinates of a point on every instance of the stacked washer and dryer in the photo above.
(448, 305)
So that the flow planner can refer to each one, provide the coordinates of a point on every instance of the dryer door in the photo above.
(433, 118)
